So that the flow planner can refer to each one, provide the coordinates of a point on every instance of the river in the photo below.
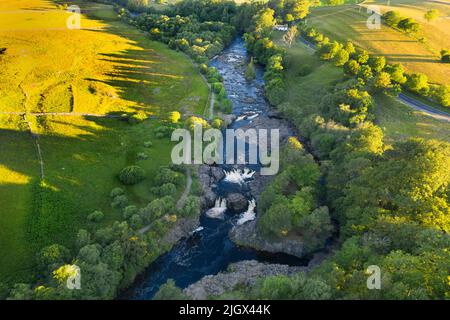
(210, 250)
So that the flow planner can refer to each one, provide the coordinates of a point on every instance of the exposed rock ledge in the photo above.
(209, 176)
(241, 273)
(182, 229)
(245, 235)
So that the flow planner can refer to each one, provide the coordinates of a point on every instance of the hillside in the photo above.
(348, 22)
(83, 79)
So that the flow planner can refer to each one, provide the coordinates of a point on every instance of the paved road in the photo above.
(411, 102)
(420, 106)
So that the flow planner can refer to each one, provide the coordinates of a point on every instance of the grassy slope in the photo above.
(397, 120)
(349, 22)
(105, 67)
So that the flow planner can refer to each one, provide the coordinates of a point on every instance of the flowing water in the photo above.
(209, 250)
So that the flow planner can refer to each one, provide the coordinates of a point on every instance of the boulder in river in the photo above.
(237, 202)
(217, 173)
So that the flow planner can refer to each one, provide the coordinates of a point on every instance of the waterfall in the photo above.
(249, 214)
(219, 208)
(238, 176)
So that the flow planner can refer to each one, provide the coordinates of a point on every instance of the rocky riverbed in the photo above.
(245, 273)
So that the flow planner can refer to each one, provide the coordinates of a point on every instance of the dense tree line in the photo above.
(373, 72)
(391, 202)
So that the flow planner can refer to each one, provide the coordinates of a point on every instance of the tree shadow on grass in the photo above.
(80, 168)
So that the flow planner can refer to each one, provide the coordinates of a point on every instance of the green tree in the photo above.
(397, 73)
(352, 67)
(409, 25)
(250, 73)
(445, 56)
(341, 58)
(431, 15)
(377, 63)
(131, 175)
(392, 18)
(418, 82)
(169, 291)
(382, 80)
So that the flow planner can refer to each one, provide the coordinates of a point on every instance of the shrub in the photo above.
(116, 192)
(445, 56)
(52, 255)
(167, 189)
(392, 18)
(142, 156)
(174, 116)
(418, 82)
(352, 67)
(137, 117)
(217, 123)
(120, 202)
(166, 175)
(96, 216)
(129, 211)
(409, 25)
(191, 206)
(131, 175)
(135, 221)
(341, 58)
(431, 15)
(83, 238)
(192, 121)
(148, 144)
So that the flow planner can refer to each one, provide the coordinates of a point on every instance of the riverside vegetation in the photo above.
(388, 201)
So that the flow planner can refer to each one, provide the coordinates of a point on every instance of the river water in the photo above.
(210, 251)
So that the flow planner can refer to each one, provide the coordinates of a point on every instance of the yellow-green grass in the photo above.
(348, 22)
(106, 67)
(306, 75)
(397, 120)
(436, 32)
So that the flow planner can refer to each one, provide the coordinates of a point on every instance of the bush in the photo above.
(167, 189)
(341, 58)
(131, 175)
(191, 206)
(217, 123)
(116, 192)
(418, 82)
(129, 211)
(148, 144)
(52, 255)
(352, 67)
(392, 18)
(95, 216)
(166, 175)
(120, 202)
(445, 56)
(137, 117)
(136, 221)
(83, 238)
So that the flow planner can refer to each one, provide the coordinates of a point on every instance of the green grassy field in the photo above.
(307, 75)
(106, 67)
(348, 22)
